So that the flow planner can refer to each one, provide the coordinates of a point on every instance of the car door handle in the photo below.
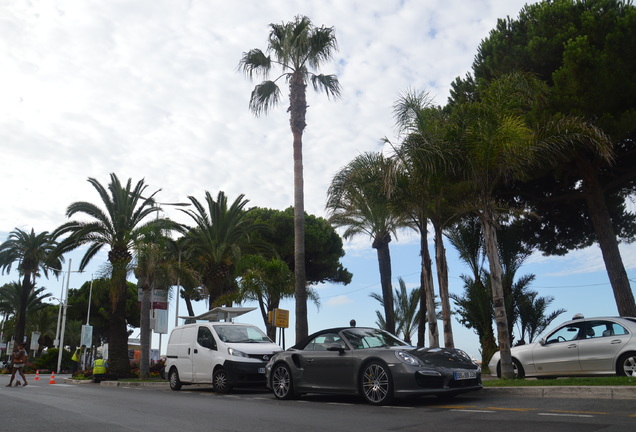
(615, 341)
(572, 346)
(310, 360)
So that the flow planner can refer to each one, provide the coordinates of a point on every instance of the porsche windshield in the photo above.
(365, 338)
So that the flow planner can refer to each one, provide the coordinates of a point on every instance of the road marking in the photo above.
(565, 415)
(579, 412)
(512, 409)
(472, 410)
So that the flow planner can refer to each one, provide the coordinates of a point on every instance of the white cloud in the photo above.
(149, 89)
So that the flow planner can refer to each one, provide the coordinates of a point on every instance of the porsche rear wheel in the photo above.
(281, 382)
(376, 383)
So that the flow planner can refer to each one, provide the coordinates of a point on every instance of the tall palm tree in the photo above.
(357, 201)
(119, 226)
(221, 235)
(499, 147)
(429, 194)
(297, 47)
(35, 254)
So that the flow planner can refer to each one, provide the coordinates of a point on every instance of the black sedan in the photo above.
(372, 363)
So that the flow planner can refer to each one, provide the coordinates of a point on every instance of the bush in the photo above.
(48, 360)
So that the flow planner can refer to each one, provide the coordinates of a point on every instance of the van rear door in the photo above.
(185, 354)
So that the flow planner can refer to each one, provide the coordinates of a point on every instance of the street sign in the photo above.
(281, 318)
(87, 335)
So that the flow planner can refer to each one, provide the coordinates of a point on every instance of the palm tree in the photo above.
(499, 147)
(296, 47)
(266, 281)
(155, 269)
(425, 157)
(33, 253)
(406, 311)
(221, 235)
(118, 227)
(357, 201)
(44, 322)
(474, 307)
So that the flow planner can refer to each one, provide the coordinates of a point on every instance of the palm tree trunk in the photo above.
(384, 263)
(428, 299)
(118, 361)
(602, 222)
(20, 327)
(298, 110)
(442, 281)
(501, 320)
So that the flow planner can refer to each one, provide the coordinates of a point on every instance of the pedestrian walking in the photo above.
(19, 360)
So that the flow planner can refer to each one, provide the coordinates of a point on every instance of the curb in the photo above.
(569, 392)
(133, 384)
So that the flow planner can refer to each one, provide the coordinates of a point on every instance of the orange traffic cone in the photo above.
(52, 380)
(37, 375)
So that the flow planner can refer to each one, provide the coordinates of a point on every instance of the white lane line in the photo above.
(565, 415)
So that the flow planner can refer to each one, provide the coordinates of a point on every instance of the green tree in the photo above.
(100, 307)
(579, 49)
(532, 318)
(499, 146)
(126, 216)
(406, 310)
(357, 201)
(12, 304)
(266, 281)
(34, 254)
(155, 269)
(297, 47)
(474, 306)
(221, 235)
(323, 248)
(429, 193)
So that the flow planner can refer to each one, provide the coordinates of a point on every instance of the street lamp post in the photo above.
(65, 304)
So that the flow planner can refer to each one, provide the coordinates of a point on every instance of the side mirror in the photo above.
(542, 341)
(336, 347)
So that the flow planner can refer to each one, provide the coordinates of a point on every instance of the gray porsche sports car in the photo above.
(372, 363)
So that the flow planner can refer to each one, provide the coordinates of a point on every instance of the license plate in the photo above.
(465, 375)
(261, 370)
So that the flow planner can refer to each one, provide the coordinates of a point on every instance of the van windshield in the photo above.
(240, 334)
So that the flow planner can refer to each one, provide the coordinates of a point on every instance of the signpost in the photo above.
(280, 318)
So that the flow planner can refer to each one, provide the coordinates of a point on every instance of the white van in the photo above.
(222, 353)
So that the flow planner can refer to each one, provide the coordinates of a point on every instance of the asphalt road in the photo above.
(96, 408)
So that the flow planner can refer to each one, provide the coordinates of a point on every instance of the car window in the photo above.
(324, 341)
(601, 328)
(565, 333)
(241, 334)
(361, 338)
(205, 338)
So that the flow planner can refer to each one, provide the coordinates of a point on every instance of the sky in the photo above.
(149, 89)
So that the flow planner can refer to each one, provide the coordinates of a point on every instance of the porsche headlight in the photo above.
(235, 352)
(407, 358)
